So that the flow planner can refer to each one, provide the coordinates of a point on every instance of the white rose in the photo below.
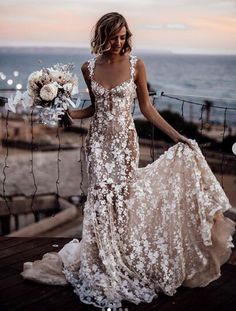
(56, 75)
(34, 77)
(68, 87)
(48, 92)
(28, 100)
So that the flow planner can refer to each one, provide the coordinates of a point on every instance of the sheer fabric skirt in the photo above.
(166, 230)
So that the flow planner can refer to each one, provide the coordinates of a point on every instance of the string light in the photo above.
(9, 81)
(195, 103)
(32, 165)
(19, 86)
(58, 166)
(16, 73)
(201, 118)
(223, 155)
(5, 167)
(2, 76)
(82, 147)
(234, 148)
(83, 196)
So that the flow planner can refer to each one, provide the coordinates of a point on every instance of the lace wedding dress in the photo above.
(146, 229)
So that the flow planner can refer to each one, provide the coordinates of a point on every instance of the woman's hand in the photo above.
(183, 139)
(66, 119)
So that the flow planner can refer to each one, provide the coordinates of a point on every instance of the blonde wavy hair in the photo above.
(108, 25)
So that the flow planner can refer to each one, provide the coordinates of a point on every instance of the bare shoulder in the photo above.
(140, 67)
(140, 63)
(84, 67)
(85, 71)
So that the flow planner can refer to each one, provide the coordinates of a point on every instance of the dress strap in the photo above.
(91, 65)
(133, 60)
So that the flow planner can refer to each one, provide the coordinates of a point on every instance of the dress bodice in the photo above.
(118, 99)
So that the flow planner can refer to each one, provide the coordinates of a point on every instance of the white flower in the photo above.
(75, 90)
(109, 167)
(27, 100)
(48, 92)
(64, 105)
(70, 102)
(170, 155)
(56, 75)
(12, 103)
(56, 84)
(121, 230)
(68, 87)
(94, 267)
(140, 266)
(109, 180)
(35, 76)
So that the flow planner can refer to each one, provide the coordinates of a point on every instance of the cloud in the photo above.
(189, 23)
(174, 26)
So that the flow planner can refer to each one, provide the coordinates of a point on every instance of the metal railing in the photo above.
(155, 97)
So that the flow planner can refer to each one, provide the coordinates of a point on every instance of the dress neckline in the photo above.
(116, 86)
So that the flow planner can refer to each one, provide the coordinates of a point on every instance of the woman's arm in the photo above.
(89, 111)
(147, 108)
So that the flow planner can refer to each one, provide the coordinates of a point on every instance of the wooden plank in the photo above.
(38, 248)
(20, 294)
(24, 255)
(8, 272)
(7, 242)
(69, 229)
(68, 299)
(22, 247)
(219, 295)
(10, 242)
(5, 224)
(185, 299)
(22, 204)
(48, 223)
(16, 288)
(4, 238)
(27, 293)
(7, 276)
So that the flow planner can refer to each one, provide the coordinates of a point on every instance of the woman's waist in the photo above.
(113, 124)
(112, 118)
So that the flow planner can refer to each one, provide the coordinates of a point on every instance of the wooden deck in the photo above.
(19, 294)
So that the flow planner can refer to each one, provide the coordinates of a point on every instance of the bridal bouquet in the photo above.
(50, 91)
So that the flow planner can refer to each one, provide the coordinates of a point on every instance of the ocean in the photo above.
(194, 78)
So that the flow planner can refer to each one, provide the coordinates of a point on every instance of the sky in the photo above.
(179, 26)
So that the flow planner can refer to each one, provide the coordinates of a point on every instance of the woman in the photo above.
(147, 229)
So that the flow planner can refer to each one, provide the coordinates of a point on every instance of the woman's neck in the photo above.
(110, 58)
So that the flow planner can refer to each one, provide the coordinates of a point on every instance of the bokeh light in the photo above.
(9, 81)
(234, 148)
(16, 73)
(2, 76)
(19, 86)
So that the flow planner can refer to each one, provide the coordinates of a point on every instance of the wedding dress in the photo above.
(146, 229)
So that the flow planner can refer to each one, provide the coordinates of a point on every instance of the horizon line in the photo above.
(144, 49)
